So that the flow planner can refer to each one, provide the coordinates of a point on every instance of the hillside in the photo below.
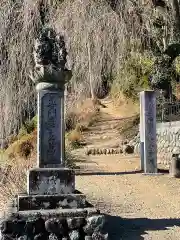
(112, 45)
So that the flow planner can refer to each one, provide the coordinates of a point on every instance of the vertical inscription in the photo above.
(51, 129)
(150, 133)
(51, 125)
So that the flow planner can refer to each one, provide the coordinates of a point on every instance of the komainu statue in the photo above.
(50, 58)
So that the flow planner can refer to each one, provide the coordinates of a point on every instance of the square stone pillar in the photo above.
(51, 136)
(148, 131)
(50, 177)
(142, 129)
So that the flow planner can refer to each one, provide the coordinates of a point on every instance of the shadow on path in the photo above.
(98, 173)
(133, 229)
(101, 173)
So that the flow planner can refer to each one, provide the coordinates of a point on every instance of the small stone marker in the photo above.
(174, 170)
(148, 132)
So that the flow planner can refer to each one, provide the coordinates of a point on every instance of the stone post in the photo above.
(148, 131)
(141, 130)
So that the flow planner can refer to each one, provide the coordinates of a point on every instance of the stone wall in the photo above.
(168, 141)
(54, 225)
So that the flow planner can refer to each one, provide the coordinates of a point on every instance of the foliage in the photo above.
(70, 159)
(28, 127)
(133, 76)
(75, 138)
(71, 120)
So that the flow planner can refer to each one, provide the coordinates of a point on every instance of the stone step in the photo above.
(62, 201)
(50, 213)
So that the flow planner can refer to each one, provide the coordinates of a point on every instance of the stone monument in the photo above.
(52, 208)
(148, 132)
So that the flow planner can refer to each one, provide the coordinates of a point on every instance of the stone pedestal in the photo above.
(148, 132)
(51, 181)
(59, 201)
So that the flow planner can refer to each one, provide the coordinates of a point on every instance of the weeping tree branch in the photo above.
(176, 12)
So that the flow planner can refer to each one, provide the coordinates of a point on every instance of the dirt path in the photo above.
(138, 206)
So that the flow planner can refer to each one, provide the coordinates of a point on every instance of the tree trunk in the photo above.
(90, 71)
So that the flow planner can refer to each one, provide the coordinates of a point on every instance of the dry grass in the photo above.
(75, 138)
(82, 115)
(128, 128)
(22, 147)
(79, 118)
(15, 181)
(126, 107)
(120, 107)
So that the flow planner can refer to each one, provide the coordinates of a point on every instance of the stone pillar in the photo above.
(50, 76)
(148, 131)
(51, 209)
(141, 130)
(51, 134)
(50, 176)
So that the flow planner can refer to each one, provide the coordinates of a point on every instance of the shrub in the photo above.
(22, 147)
(28, 127)
(31, 125)
(70, 159)
(22, 132)
(71, 120)
(25, 148)
(133, 76)
(75, 139)
(82, 115)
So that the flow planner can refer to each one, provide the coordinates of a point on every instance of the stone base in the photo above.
(56, 224)
(152, 174)
(37, 202)
(52, 210)
(50, 181)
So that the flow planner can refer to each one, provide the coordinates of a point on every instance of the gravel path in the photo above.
(137, 206)
(140, 207)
